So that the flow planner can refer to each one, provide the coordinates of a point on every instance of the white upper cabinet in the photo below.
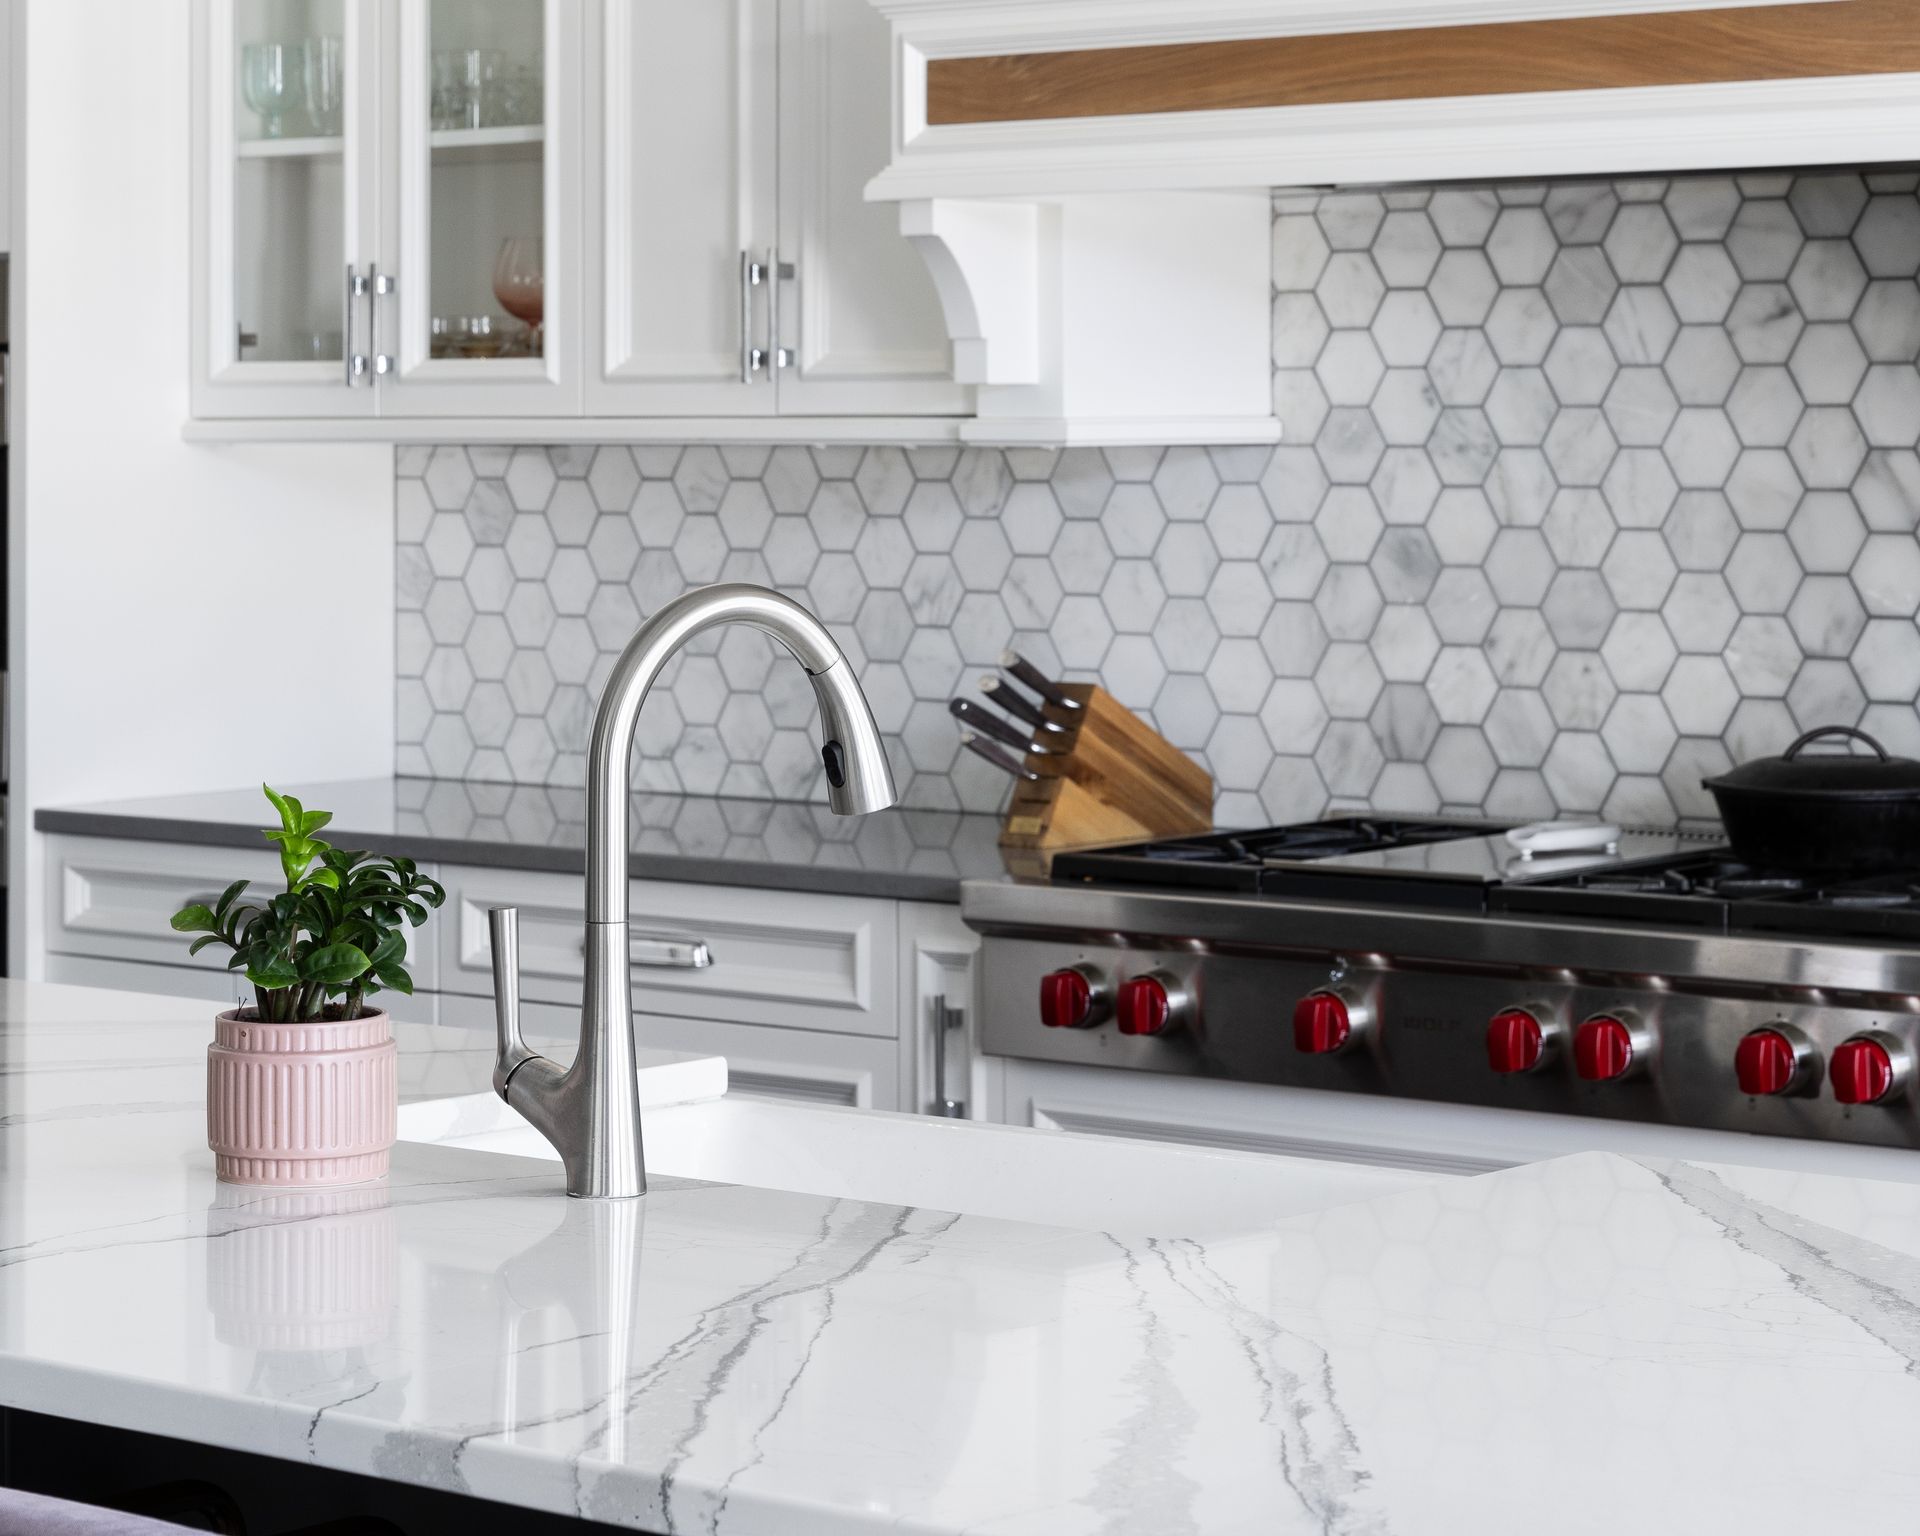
(686, 172)
(742, 271)
(480, 209)
(496, 212)
(284, 202)
(859, 319)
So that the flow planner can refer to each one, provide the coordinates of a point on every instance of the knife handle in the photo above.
(988, 724)
(1006, 762)
(1021, 670)
(1017, 704)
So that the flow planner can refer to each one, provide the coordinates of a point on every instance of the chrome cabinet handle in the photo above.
(752, 358)
(379, 285)
(778, 272)
(665, 951)
(947, 1020)
(668, 951)
(354, 362)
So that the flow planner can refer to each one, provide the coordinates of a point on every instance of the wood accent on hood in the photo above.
(1669, 48)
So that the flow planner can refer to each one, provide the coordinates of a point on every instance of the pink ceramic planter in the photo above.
(301, 1104)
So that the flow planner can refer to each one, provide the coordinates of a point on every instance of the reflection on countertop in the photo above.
(906, 855)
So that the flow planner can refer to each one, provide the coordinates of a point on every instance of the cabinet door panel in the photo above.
(684, 190)
(803, 1064)
(860, 314)
(285, 129)
(112, 899)
(482, 209)
(780, 958)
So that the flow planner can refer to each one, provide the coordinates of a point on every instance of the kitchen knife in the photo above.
(1004, 761)
(987, 723)
(1021, 670)
(1017, 704)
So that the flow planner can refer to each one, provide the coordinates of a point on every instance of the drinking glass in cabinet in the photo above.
(323, 73)
(267, 82)
(464, 80)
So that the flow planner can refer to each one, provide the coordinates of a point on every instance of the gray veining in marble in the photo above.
(1587, 1345)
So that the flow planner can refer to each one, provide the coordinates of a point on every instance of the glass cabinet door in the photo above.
(486, 150)
(281, 322)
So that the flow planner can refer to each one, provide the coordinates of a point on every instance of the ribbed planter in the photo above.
(301, 1104)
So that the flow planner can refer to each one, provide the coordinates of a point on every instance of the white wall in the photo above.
(184, 617)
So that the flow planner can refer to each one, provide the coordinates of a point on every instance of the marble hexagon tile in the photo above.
(1588, 489)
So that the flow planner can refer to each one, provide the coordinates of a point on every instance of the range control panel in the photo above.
(1784, 1064)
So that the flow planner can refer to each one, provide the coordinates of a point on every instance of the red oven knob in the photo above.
(1071, 998)
(1766, 1062)
(1868, 1069)
(1606, 1048)
(1516, 1041)
(1328, 1021)
(1151, 1004)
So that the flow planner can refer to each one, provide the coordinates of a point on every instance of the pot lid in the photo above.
(1798, 771)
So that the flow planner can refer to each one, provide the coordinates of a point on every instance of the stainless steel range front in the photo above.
(1646, 977)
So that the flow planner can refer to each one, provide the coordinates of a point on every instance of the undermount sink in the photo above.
(1058, 1178)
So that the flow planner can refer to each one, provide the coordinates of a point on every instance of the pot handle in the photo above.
(1835, 730)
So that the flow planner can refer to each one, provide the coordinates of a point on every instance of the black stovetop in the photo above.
(1684, 883)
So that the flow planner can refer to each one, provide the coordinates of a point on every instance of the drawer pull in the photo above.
(665, 951)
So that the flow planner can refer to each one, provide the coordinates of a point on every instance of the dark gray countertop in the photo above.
(904, 855)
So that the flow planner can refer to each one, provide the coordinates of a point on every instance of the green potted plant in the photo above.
(301, 1086)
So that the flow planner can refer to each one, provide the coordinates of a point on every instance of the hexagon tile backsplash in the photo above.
(1589, 489)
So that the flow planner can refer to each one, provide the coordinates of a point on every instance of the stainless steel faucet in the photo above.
(591, 1110)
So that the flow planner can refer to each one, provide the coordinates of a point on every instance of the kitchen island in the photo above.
(1590, 1344)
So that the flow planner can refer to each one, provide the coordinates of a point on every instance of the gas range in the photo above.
(1649, 977)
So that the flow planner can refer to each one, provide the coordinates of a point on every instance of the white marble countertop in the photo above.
(1586, 1345)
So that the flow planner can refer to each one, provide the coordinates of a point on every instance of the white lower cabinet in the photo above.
(831, 999)
(109, 901)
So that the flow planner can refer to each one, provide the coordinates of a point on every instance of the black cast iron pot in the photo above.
(1823, 813)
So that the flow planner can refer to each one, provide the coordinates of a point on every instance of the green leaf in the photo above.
(279, 804)
(204, 940)
(228, 895)
(313, 821)
(324, 877)
(394, 979)
(275, 974)
(336, 964)
(193, 918)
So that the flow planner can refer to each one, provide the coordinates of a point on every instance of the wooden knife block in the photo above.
(1119, 781)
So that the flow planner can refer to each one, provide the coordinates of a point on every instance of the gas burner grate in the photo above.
(1234, 861)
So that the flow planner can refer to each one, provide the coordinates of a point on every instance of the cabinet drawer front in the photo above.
(779, 958)
(113, 899)
(809, 1065)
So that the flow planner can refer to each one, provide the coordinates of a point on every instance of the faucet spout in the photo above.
(590, 1112)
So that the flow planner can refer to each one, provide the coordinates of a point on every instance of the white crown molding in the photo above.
(950, 28)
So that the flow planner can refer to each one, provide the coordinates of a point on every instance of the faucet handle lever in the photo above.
(503, 930)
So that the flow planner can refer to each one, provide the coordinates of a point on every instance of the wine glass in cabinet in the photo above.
(484, 201)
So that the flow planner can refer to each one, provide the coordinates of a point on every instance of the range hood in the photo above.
(1088, 180)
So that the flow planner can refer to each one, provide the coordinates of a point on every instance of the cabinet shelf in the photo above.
(517, 142)
(290, 149)
(523, 141)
